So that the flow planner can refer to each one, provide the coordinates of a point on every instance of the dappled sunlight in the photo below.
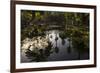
(36, 42)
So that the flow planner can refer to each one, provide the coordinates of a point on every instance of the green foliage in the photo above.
(80, 40)
(63, 35)
(74, 23)
(26, 15)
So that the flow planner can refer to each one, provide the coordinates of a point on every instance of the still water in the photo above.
(61, 49)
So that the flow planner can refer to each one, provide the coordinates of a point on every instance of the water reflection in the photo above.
(52, 47)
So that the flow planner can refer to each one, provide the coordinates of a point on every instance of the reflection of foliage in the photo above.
(63, 36)
(40, 55)
(56, 49)
(56, 38)
(80, 41)
(79, 38)
(69, 49)
(35, 56)
(63, 41)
